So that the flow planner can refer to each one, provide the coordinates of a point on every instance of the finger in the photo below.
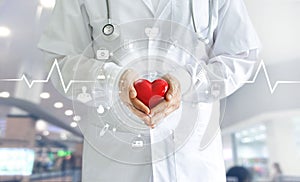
(132, 92)
(164, 109)
(173, 86)
(140, 115)
(160, 108)
(139, 105)
(123, 78)
(149, 123)
(157, 118)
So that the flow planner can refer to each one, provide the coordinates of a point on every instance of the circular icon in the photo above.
(110, 125)
(108, 29)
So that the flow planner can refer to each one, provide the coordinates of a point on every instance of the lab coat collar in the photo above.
(149, 5)
(161, 7)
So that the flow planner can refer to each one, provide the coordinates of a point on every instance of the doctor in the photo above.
(233, 46)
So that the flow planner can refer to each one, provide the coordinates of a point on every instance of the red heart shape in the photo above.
(149, 93)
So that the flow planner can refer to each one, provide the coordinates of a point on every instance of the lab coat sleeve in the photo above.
(231, 56)
(68, 39)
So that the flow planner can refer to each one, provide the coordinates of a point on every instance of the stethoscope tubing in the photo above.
(205, 39)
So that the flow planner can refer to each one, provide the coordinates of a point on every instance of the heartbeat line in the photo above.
(55, 65)
(277, 83)
(66, 87)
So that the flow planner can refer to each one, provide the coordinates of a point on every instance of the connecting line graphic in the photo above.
(55, 65)
(262, 65)
(66, 87)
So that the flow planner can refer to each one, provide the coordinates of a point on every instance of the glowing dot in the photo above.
(41, 125)
(45, 95)
(46, 133)
(4, 32)
(4, 94)
(76, 118)
(58, 105)
(73, 124)
(68, 112)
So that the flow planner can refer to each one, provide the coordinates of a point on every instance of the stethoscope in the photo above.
(109, 29)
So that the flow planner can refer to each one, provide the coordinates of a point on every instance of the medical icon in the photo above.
(201, 76)
(84, 97)
(216, 90)
(103, 54)
(152, 32)
(104, 130)
(152, 75)
(101, 77)
(118, 124)
(100, 109)
(137, 143)
(108, 29)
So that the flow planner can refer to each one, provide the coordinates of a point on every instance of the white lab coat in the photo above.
(234, 46)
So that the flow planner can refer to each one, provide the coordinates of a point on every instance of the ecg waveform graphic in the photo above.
(262, 66)
(67, 86)
(54, 66)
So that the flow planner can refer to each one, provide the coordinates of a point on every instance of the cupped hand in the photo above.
(128, 95)
(169, 104)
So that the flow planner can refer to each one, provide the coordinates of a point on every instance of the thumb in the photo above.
(132, 92)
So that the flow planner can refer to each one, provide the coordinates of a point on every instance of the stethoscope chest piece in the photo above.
(108, 29)
(110, 32)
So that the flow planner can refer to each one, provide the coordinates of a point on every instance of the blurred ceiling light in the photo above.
(4, 94)
(40, 125)
(45, 95)
(73, 124)
(77, 118)
(260, 137)
(4, 32)
(63, 136)
(47, 3)
(262, 127)
(246, 140)
(68, 112)
(46, 133)
(58, 105)
(245, 132)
